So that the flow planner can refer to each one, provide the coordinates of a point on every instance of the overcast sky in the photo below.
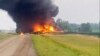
(74, 11)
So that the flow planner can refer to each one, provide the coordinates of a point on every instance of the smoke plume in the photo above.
(27, 12)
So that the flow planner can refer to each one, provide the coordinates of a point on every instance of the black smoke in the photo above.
(26, 12)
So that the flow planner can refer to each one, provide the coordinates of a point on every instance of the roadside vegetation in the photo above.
(66, 45)
(4, 36)
(83, 28)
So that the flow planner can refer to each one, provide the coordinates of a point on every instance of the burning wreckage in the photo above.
(32, 15)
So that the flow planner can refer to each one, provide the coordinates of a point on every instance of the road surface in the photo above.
(17, 46)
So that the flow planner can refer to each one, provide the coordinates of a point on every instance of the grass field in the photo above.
(66, 45)
(4, 36)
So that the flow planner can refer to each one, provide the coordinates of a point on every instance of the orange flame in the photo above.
(21, 36)
(43, 28)
(21, 33)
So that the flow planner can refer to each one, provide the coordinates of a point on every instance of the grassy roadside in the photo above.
(4, 36)
(66, 45)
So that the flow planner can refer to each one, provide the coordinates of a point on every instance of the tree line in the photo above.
(78, 28)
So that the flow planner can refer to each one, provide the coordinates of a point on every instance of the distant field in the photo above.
(66, 45)
(4, 36)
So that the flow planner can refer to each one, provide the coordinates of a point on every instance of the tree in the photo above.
(74, 27)
(63, 25)
(85, 28)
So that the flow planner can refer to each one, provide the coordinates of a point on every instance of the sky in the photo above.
(74, 11)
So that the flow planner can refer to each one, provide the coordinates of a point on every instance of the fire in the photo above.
(21, 33)
(49, 28)
(37, 28)
(43, 28)
(22, 36)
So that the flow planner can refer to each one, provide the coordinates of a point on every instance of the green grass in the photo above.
(66, 45)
